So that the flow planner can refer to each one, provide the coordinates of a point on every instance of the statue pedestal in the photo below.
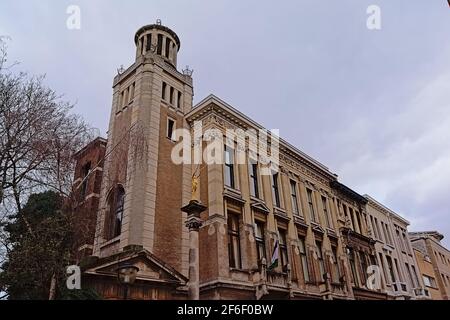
(194, 222)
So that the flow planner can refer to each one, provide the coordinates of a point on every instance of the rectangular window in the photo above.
(383, 264)
(179, 100)
(167, 48)
(429, 281)
(312, 213)
(388, 233)
(171, 129)
(294, 198)
(363, 264)
(410, 277)
(149, 42)
(159, 45)
(358, 220)
(391, 269)
(253, 169)
(352, 218)
(163, 91)
(86, 170)
(325, 212)
(320, 260)
(260, 240)
(120, 106)
(304, 259)
(126, 99)
(234, 247)
(275, 190)
(283, 248)
(375, 220)
(336, 274)
(141, 45)
(353, 266)
(171, 95)
(132, 90)
(374, 228)
(229, 167)
(415, 277)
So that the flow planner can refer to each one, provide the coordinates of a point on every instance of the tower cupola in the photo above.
(159, 40)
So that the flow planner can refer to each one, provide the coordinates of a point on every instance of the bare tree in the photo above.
(38, 136)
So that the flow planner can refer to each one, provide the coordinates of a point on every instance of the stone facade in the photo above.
(394, 253)
(434, 262)
(321, 228)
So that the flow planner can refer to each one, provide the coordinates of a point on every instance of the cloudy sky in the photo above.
(372, 105)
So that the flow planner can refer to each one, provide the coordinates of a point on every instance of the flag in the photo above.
(275, 255)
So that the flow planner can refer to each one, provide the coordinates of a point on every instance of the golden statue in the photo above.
(195, 185)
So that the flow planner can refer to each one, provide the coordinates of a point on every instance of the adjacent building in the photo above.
(320, 230)
(86, 194)
(394, 253)
(434, 262)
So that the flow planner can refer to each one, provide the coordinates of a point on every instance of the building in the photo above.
(394, 253)
(86, 193)
(434, 262)
(317, 226)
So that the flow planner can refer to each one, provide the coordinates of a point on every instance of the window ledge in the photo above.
(109, 242)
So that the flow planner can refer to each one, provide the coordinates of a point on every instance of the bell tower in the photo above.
(142, 189)
(157, 39)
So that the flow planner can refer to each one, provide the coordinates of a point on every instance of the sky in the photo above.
(372, 105)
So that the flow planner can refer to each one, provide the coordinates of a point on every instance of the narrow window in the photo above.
(141, 44)
(294, 198)
(352, 218)
(283, 248)
(229, 167)
(119, 211)
(358, 220)
(320, 259)
(353, 266)
(391, 269)
(86, 170)
(416, 278)
(163, 90)
(179, 100)
(171, 95)
(159, 45)
(167, 48)
(374, 229)
(125, 99)
(276, 193)
(304, 259)
(363, 264)
(336, 274)
(312, 213)
(260, 240)
(120, 101)
(253, 169)
(133, 88)
(234, 249)
(148, 47)
(410, 277)
(377, 227)
(170, 129)
(325, 212)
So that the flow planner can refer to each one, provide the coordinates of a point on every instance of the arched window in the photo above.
(114, 215)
